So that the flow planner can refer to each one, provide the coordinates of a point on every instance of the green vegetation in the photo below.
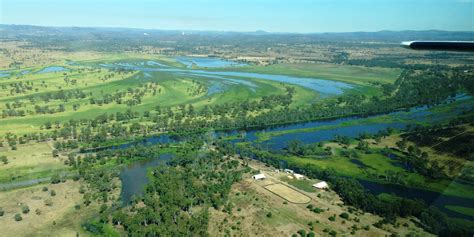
(462, 210)
(73, 131)
(352, 74)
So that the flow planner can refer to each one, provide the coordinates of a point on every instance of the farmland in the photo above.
(123, 128)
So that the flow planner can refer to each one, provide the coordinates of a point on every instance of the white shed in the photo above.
(258, 177)
(298, 176)
(321, 185)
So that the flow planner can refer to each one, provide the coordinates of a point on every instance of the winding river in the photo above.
(134, 176)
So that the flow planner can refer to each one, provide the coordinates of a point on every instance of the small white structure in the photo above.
(321, 185)
(258, 177)
(298, 176)
(289, 171)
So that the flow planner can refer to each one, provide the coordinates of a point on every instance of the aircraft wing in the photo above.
(460, 46)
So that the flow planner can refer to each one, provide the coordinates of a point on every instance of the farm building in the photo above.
(321, 185)
(289, 171)
(298, 176)
(258, 177)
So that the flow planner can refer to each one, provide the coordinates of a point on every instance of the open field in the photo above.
(252, 203)
(289, 194)
(29, 161)
(59, 218)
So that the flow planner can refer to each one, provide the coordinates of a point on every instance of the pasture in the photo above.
(288, 193)
(31, 160)
(49, 215)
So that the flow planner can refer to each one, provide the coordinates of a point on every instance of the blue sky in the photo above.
(245, 15)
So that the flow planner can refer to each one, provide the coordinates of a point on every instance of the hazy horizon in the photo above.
(229, 31)
(301, 16)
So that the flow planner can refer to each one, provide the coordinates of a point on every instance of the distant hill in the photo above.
(29, 31)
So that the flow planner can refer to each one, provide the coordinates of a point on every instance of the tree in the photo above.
(4, 159)
(55, 179)
(25, 209)
(53, 193)
(344, 215)
(55, 153)
(402, 144)
(18, 217)
(2, 212)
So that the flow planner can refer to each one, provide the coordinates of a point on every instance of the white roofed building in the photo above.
(258, 177)
(321, 185)
(298, 176)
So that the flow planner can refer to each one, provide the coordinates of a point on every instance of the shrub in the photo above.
(302, 232)
(48, 202)
(53, 193)
(18, 217)
(344, 215)
(2, 212)
(25, 209)
(332, 218)
(45, 189)
(55, 179)
(269, 215)
(317, 210)
(4, 159)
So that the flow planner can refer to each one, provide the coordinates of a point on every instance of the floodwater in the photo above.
(210, 62)
(53, 69)
(324, 87)
(134, 176)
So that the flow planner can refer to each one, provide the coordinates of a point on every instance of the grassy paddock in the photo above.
(288, 193)
(33, 160)
(59, 219)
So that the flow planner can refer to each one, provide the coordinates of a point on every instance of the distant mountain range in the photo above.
(29, 31)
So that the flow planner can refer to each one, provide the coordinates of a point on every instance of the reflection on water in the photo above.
(134, 176)
(431, 198)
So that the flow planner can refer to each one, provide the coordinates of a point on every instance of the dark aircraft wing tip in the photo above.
(461, 46)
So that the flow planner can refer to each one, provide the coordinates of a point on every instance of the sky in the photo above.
(303, 16)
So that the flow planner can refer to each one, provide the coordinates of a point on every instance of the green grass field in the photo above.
(27, 91)
(462, 210)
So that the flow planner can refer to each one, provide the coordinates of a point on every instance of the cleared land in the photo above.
(288, 193)
(58, 218)
(32, 160)
(252, 204)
